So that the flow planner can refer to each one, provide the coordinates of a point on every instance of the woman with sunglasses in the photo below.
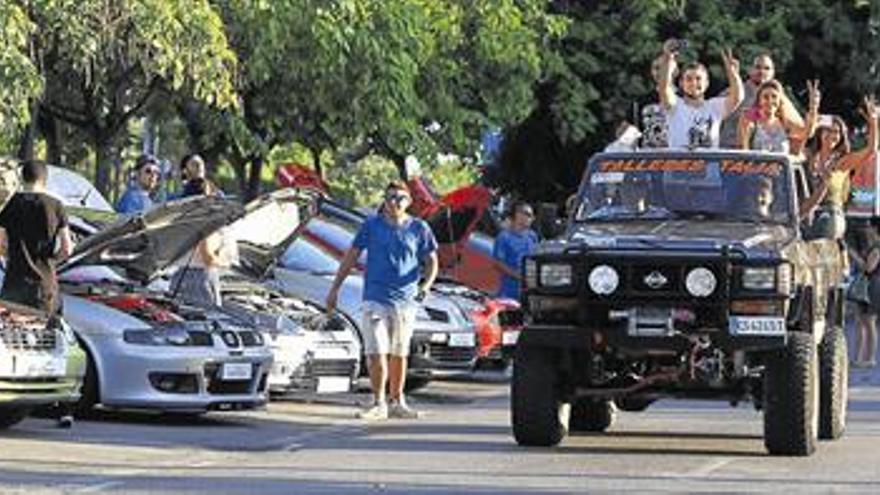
(830, 164)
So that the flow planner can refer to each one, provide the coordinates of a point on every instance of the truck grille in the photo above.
(23, 339)
(663, 279)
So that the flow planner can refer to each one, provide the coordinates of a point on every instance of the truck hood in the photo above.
(681, 235)
(145, 244)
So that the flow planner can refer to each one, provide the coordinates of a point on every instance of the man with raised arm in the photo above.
(693, 120)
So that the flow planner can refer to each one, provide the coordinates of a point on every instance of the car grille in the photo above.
(332, 367)
(445, 354)
(228, 387)
(22, 339)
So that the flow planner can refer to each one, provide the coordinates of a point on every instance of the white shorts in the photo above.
(387, 329)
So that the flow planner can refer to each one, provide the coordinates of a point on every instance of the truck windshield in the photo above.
(660, 189)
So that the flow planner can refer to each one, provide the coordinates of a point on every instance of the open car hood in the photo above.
(454, 216)
(269, 225)
(143, 245)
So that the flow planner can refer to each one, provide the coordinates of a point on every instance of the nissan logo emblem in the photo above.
(655, 280)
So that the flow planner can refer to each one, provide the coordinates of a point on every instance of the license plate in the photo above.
(236, 371)
(461, 340)
(333, 384)
(754, 325)
(510, 337)
(27, 366)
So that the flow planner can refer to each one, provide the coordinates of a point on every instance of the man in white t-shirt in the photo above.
(694, 121)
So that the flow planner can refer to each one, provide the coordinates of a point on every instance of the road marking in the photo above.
(99, 487)
(709, 468)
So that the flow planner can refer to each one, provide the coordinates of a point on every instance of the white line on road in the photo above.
(99, 487)
(708, 468)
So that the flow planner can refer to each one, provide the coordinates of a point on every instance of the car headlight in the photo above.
(531, 274)
(603, 280)
(555, 275)
(701, 282)
(171, 336)
(759, 278)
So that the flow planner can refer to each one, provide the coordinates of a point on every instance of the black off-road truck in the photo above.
(684, 275)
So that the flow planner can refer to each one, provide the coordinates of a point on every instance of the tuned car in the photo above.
(146, 349)
(41, 363)
(685, 274)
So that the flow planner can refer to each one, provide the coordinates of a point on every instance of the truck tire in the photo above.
(833, 384)
(10, 416)
(537, 413)
(791, 397)
(594, 415)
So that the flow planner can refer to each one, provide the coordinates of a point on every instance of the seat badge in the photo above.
(656, 280)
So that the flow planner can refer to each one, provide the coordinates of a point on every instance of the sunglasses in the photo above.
(397, 198)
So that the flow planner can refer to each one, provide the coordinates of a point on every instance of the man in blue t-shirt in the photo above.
(512, 245)
(397, 245)
(138, 196)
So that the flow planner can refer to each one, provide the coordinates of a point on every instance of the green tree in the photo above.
(598, 74)
(103, 61)
(361, 77)
(19, 77)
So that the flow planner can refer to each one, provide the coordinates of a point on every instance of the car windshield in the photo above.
(305, 256)
(736, 190)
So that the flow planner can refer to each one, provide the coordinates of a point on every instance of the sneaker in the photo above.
(400, 410)
(376, 412)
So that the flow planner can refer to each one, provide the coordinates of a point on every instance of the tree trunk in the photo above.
(240, 166)
(316, 162)
(29, 134)
(103, 165)
(50, 128)
(254, 178)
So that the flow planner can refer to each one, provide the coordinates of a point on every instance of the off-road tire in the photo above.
(537, 413)
(791, 397)
(593, 415)
(10, 416)
(833, 384)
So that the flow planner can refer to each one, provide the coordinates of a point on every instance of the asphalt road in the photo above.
(463, 445)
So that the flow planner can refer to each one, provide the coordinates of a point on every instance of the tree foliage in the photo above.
(598, 74)
(104, 60)
(19, 77)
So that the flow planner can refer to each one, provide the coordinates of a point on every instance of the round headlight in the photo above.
(603, 280)
(701, 282)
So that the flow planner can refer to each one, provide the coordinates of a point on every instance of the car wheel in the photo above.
(833, 384)
(10, 416)
(791, 398)
(85, 406)
(538, 415)
(594, 415)
(633, 403)
(415, 382)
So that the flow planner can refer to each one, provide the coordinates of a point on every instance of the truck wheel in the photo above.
(595, 415)
(10, 416)
(537, 414)
(833, 384)
(791, 398)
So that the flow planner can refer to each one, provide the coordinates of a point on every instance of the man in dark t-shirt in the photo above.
(33, 236)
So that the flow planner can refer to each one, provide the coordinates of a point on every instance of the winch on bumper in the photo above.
(662, 302)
